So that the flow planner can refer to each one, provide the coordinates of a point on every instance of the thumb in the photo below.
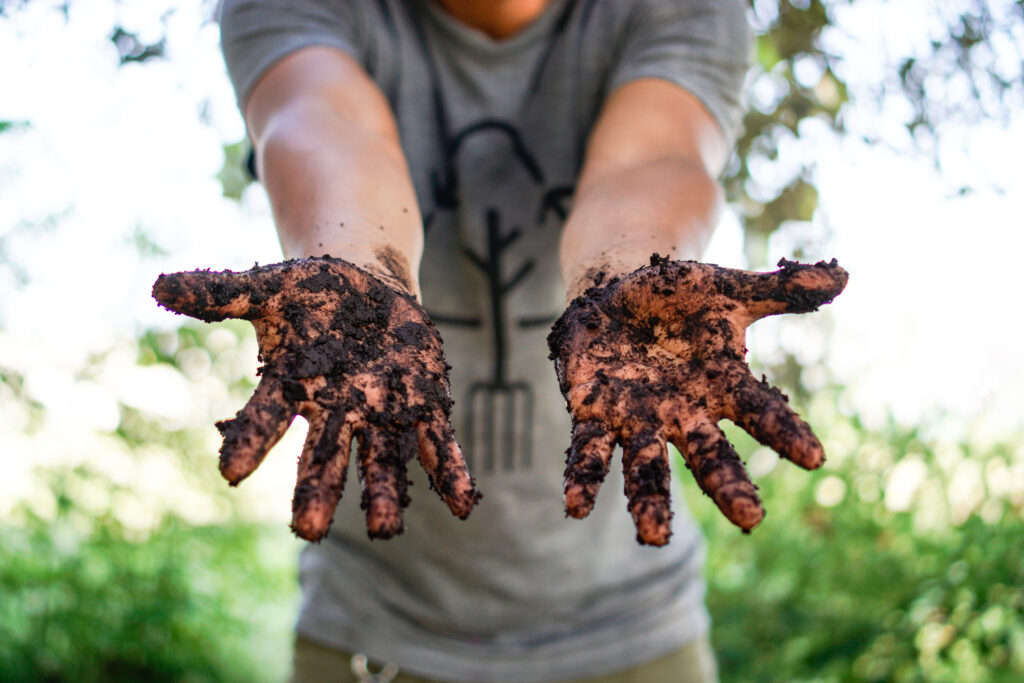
(794, 288)
(208, 295)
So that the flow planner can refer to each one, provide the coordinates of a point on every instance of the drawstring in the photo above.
(361, 670)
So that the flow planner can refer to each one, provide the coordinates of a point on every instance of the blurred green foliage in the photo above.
(859, 601)
(788, 34)
(851, 590)
(968, 70)
(182, 603)
(12, 125)
(233, 175)
(855, 588)
(102, 581)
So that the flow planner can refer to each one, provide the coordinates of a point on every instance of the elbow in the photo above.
(667, 190)
(294, 132)
(709, 195)
(321, 138)
(693, 180)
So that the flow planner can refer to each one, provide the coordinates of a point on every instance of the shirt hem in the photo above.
(602, 656)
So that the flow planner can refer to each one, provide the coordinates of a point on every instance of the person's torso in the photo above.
(494, 133)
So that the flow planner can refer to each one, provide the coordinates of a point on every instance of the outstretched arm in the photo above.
(651, 349)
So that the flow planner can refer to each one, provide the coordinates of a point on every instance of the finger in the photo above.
(763, 411)
(586, 466)
(322, 469)
(254, 430)
(645, 465)
(721, 475)
(209, 295)
(382, 458)
(794, 288)
(442, 458)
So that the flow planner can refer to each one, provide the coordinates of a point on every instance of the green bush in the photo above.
(87, 600)
(857, 592)
(847, 579)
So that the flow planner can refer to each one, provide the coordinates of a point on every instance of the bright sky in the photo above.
(929, 326)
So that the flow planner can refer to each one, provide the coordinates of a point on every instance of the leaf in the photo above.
(233, 176)
(767, 52)
(13, 125)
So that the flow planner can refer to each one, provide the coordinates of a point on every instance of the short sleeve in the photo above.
(255, 34)
(702, 46)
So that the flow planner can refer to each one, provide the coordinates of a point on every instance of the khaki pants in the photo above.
(693, 663)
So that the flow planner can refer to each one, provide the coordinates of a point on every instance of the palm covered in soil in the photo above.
(357, 358)
(657, 357)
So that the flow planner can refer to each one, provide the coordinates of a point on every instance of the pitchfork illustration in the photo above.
(499, 417)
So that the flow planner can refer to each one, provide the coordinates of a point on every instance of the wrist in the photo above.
(392, 266)
(383, 261)
(607, 269)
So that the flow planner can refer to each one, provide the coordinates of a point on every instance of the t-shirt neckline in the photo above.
(476, 40)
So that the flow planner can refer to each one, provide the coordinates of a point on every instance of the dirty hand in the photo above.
(658, 356)
(353, 355)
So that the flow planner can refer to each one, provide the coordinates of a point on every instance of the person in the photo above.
(501, 169)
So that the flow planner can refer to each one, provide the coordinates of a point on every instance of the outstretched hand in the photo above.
(357, 358)
(658, 356)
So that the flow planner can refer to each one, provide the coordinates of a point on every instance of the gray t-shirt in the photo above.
(494, 133)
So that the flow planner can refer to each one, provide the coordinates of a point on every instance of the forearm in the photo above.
(619, 218)
(329, 156)
(340, 190)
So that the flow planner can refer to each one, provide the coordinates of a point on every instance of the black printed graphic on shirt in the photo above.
(499, 410)
(498, 426)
